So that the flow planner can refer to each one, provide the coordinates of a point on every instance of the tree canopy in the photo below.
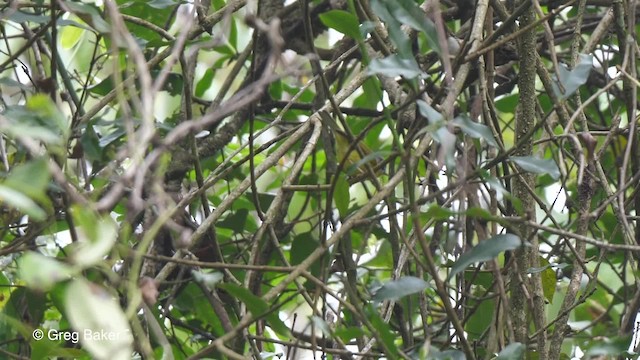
(334, 179)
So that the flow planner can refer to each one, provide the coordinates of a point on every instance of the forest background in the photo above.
(344, 179)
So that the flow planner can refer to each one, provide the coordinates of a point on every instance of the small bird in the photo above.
(357, 156)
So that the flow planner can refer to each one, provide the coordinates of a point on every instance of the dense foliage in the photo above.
(344, 179)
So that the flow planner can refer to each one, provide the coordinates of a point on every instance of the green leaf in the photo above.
(257, 306)
(475, 130)
(91, 144)
(480, 213)
(302, 246)
(571, 80)
(341, 196)
(548, 277)
(94, 18)
(5, 291)
(437, 212)
(480, 319)
(370, 158)
(205, 82)
(513, 351)
(343, 22)
(42, 272)
(103, 87)
(161, 4)
(209, 279)
(613, 346)
(396, 289)
(537, 166)
(435, 354)
(485, 250)
(409, 13)
(383, 9)
(70, 35)
(348, 334)
(49, 114)
(393, 66)
(322, 325)
(96, 237)
(104, 333)
(383, 330)
(7, 81)
(235, 221)
(21, 202)
(190, 301)
(429, 112)
(39, 119)
(21, 17)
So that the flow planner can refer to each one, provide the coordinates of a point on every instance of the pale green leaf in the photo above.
(42, 272)
(343, 22)
(257, 306)
(21, 202)
(99, 319)
(393, 66)
(475, 130)
(537, 165)
(513, 351)
(485, 251)
(396, 289)
(571, 80)
(96, 238)
(341, 196)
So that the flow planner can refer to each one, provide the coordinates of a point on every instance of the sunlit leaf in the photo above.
(104, 333)
(42, 272)
(31, 179)
(89, 14)
(21, 202)
(49, 115)
(96, 237)
(70, 35)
